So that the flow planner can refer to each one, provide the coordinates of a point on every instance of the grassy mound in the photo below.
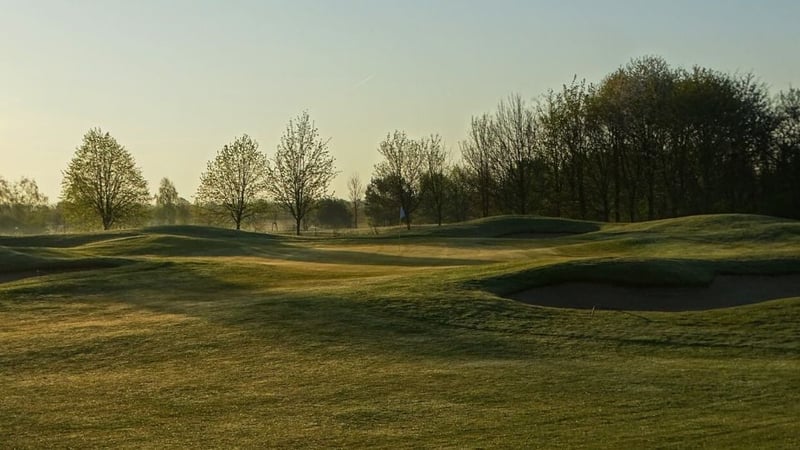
(493, 227)
(688, 251)
(504, 226)
(18, 264)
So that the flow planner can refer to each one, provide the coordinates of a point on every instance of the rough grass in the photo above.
(212, 338)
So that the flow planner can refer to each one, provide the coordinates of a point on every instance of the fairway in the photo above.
(197, 337)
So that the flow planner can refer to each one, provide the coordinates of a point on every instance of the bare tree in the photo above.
(459, 193)
(402, 168)
(102, 181)
(302, 169)
(234, 180)
(515, 134)
(435, 177)
(355, 189)
(478, 153)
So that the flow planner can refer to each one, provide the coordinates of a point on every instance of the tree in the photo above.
(167, 202)
(478, 153)
(355, 189)
(5, 191)
(434, 179)
(563, 137)
(402, 170)
(22, 206)
(334, 213)
(380, 202)
(782, 185)
(515, 137)
(302, 168)
(103, 182)
(459, 193)
(234, 180)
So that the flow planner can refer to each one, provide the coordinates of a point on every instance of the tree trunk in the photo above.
(297, 227)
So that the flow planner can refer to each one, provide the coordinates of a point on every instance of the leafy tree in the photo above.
(380, 201)
(355, 189)
(22, 206)
(564, 145)
(5, 192)
(234, 180)
(167, 202)
(334, 213)
(302, 169)
(103, 183)
(648, 141)
(401, 172)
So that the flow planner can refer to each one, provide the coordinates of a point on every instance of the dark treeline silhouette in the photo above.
(649, 141)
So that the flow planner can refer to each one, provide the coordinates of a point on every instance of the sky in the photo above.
(173, 81)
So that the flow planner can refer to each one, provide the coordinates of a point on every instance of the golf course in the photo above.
(511, 331)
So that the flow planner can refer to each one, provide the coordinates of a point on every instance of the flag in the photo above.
(402, 213)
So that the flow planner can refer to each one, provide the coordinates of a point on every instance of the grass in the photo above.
(198, 337)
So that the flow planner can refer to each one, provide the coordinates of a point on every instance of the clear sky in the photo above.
(173, 80)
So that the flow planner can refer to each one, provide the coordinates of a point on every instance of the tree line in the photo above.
(103, 187)
(648, 141)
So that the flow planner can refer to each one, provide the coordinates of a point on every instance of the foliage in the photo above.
(22, 207)
(103, 183)
(170, 208)
(333, 213)
(649, 141)
(302, 169)
(380, 204)
(401, 173)
(234, 180)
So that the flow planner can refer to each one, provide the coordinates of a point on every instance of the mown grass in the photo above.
(212, 338)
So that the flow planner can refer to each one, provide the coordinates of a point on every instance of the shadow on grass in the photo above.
(183, 246)
(648, 272)
(317, 321)
(415, 319)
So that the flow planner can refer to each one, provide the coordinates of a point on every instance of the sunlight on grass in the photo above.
(199, 338)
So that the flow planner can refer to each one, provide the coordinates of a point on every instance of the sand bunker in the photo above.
(725, 291)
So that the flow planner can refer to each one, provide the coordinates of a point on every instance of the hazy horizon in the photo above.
(174, 83)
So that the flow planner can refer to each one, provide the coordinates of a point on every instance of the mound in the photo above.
(512, 226)
(199, 231)
(62, 240)
(15, 265)
(725, 291)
